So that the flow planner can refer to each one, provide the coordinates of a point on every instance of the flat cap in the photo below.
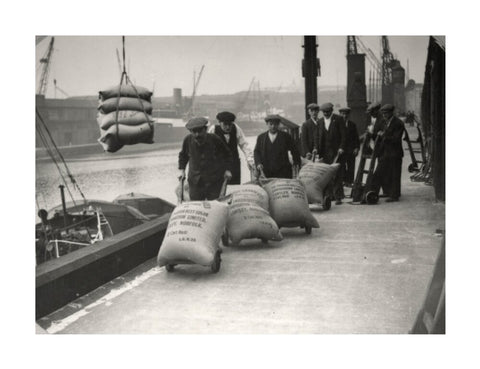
(326, 106)
(313, 106)
(373, 106)
(387, 107)
(196, 122)
(272, 118)
(345, 109)
(226, 117)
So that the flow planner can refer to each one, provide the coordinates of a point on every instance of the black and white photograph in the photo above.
(205, 194)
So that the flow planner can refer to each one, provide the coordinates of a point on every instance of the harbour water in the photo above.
(106, 176)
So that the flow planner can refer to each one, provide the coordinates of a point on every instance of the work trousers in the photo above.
(388, 175)
(349, 168)
(204, 191)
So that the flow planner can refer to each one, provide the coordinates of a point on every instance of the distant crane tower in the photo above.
(45, 61)
(195, 86)
(393, 79)
(243, 102)
(356, 88)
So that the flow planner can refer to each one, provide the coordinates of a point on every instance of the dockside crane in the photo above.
(46, 62)
(243, 102)
(195, 86)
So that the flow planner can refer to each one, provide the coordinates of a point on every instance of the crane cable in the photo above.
(128, 81)
(51, 153)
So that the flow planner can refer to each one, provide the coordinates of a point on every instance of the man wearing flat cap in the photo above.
(332, 145)
(390, 154)
(352, 146)
(271, 151)
(310, 133)
(233, 136)
(209, 160)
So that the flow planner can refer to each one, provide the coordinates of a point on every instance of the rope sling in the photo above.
(126, 78)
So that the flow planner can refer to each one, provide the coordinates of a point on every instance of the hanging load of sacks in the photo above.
(288, 203)
(124, 117)
(248, 216)
(193, 233)
(315, 177)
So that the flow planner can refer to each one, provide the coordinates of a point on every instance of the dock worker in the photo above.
(233, 136)
(271, 150)
(390, 154)
(352, 146)
(333, 145)
(311, 133)
(375, 123)
(209, 160)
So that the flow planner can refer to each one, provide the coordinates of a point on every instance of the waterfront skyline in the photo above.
(83, 65)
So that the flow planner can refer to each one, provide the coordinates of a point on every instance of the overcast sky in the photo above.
(83, 65)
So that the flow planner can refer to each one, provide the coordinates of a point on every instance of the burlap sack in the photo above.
(125, 103)
(193, 233)
(251, 193)
(247, 220)
(288, 203)
(315, 177)
(126, 117)
(126, 91)
(127, 135)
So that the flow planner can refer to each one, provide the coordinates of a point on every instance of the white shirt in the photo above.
(242, 143)
(272, 136)
(327, 122)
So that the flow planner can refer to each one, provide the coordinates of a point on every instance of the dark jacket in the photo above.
(207, 161)
(310, 137)
(274, 156)
(232, 144)
(391, 142)
(352, 140)
(334, 138)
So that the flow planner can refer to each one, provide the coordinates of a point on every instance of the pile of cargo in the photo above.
(124, 116)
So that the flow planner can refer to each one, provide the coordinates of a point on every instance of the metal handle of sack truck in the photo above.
(223, 190)
(182, 183)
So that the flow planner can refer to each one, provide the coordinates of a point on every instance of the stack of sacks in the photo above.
(289, 204)
(193, 233)
(315, 177)
(248, 216)
(134, 122)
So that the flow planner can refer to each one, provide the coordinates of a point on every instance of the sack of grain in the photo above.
(251, 193)
(126, 91)
(126, 117)
(288, 203)
(247, 220)
(315, 177)
(193, 233)
(125, 103)
(112, 141)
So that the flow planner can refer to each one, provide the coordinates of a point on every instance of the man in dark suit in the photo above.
(390, 154)
(209, 160)
(352, 146)
(233, 136)
(332, 143)
(271, 151)
(311, 133)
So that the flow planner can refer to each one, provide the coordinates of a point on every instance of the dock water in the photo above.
(365, 270)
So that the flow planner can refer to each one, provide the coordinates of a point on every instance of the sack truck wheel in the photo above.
(327, 203)
(170, 267)
(412, 168)
(215, 267)
(371, 197)
(308, 230)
